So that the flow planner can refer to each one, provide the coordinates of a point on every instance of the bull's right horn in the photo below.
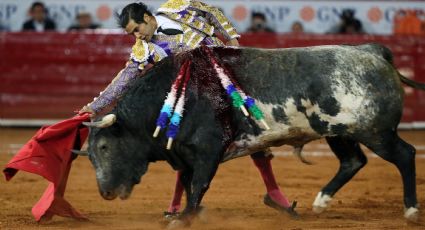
(106, 121)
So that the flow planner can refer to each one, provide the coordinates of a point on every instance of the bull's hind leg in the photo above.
(351, 158)
(393, 149)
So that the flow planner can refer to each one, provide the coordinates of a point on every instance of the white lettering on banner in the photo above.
(65, 12)
(329, 14)
(7, 12)
(316, 16)
(272, 13)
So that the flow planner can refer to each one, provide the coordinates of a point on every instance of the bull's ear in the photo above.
(106, 121)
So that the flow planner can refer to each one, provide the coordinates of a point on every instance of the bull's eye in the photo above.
(102, 145)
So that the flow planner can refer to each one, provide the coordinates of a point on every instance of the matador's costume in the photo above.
(182, 25)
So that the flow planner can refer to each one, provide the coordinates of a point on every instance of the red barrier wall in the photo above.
(50, 75)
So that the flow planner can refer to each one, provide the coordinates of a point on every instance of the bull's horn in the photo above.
(79, 152)
(106, 121)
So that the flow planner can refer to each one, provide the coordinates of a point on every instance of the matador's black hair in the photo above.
(134, 11)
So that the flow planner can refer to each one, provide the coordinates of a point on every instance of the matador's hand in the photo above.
(87, 109)
(232, 42)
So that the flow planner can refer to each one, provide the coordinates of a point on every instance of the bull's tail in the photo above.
(411, 83)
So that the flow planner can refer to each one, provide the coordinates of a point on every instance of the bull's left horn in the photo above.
(106, 121)
(79, 152)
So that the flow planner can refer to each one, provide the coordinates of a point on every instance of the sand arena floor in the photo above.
(372, 200)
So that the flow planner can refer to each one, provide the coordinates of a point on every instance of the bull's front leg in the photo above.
(196, 182)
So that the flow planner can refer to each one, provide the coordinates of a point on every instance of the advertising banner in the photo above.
(316, 16)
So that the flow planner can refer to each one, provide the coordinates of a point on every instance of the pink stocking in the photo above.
(264, 166)
(178, 192)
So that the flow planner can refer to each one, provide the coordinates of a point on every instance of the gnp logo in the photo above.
(307, 13)
(374, 14)
(103, 13)
(240, 12)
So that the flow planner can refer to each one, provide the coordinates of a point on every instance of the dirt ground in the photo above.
(372, 200)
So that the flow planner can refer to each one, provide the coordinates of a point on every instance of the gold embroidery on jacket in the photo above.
(215, 14)
(174, 6)
(140, 51)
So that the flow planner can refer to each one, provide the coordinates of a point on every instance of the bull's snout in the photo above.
(122, 191)
(108, 195)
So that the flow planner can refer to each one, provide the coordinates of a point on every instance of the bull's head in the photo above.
(117, 156)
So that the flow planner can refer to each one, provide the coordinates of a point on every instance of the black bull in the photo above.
(350, 95)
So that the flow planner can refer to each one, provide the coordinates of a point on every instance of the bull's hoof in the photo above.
(318, 209)
(170, 216)
(290, 210)
(412, 214)
(321, 202)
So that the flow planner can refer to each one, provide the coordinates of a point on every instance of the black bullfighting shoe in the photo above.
(290, 210)
(169, 216)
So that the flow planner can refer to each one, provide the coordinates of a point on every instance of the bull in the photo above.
(350, 95)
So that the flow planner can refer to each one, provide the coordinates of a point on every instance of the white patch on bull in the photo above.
(103, 162)
(99, 174)
(411, 213)
(296, 119)
(297, 124)
(321, 202)
(347, 88)
(349, 108)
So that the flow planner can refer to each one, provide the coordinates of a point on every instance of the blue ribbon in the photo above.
(172, 131)
(230, 89)
(249, 102)
(162, 120)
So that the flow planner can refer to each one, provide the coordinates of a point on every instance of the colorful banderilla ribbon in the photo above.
(173, 128)
(168, 107)
(239, 98)
(174, 111)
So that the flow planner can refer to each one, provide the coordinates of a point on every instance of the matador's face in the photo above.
(144, 30)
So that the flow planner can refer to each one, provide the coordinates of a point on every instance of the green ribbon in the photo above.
(256, 112)
(237, 99)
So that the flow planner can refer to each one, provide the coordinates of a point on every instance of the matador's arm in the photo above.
(116, 88)
(142, 54)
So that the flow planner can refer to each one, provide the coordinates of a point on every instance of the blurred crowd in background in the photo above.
(39, 20)
(44, 72)
(406, 21)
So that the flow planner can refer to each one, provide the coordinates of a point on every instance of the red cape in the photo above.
(48, 155)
